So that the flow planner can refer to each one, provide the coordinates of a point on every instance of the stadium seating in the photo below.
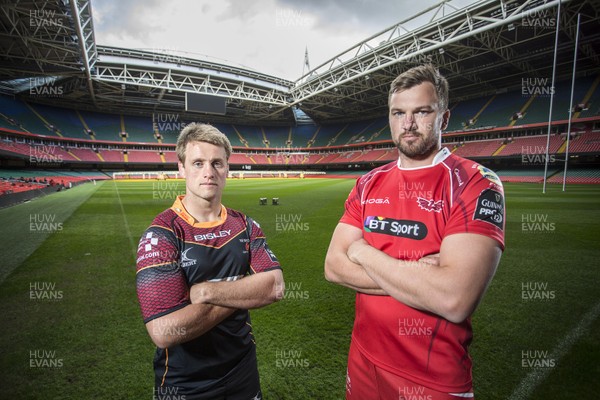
(484, 148)
(343, 139)
(591, 100)
(328, 135)
(587, 142)
(578, 175)
(491, 110)
(139, 129)
(524, 175)
(303, 135)
(252, 135)
(531, 145)
(24, 116)
(87, 155)
(259, 159)
(278, 136)
(112, 156)
(14, 147)
(461, 113)
(105, 126)
(500, 109)
(144, 156)
(66, 120)
(15, 181)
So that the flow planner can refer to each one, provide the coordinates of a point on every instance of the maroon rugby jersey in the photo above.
(407, 213)
(174, 253)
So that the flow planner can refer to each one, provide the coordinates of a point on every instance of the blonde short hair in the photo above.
(196, 132)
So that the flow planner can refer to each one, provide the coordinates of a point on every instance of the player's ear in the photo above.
(181, 169)
(445, 119)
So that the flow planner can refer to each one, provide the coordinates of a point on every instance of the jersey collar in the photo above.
(441, 155)
(180, 210)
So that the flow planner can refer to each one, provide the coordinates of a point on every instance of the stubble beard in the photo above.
(420, 148)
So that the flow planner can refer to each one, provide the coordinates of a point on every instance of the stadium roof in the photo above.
(485, 48)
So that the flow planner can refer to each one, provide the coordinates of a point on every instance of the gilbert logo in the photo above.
(185, 260)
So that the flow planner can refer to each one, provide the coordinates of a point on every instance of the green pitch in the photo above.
(71, 327)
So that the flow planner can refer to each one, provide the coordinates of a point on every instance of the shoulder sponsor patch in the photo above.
(490, 207)
(396, 227)
(489, 174)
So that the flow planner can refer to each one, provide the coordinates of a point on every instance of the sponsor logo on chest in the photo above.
(430, 204)
(396, 227)
(385, 200)
(212, 235)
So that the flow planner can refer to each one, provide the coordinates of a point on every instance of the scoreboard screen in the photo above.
(196, 102)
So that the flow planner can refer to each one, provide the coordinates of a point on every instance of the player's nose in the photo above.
(408, 123)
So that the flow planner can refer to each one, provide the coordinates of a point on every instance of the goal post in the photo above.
(151, 175)
(243, 174)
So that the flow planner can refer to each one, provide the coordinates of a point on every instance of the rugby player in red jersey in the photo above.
(419, 242)
(200, 267)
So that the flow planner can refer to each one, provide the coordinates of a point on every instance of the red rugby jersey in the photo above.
(407, 213)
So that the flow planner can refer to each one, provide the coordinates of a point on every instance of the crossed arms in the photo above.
(450, 286)
(213, 302)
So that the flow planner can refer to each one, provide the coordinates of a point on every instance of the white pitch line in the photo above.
(133, 248)
(538, 375)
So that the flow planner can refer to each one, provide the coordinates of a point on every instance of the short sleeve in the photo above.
(479, 208)
(160, 282)
(262, 259)
(352, 209)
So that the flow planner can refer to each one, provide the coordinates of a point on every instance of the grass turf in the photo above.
(89, 341)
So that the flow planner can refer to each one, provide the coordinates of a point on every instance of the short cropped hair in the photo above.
(196, 132)
(417, 75)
